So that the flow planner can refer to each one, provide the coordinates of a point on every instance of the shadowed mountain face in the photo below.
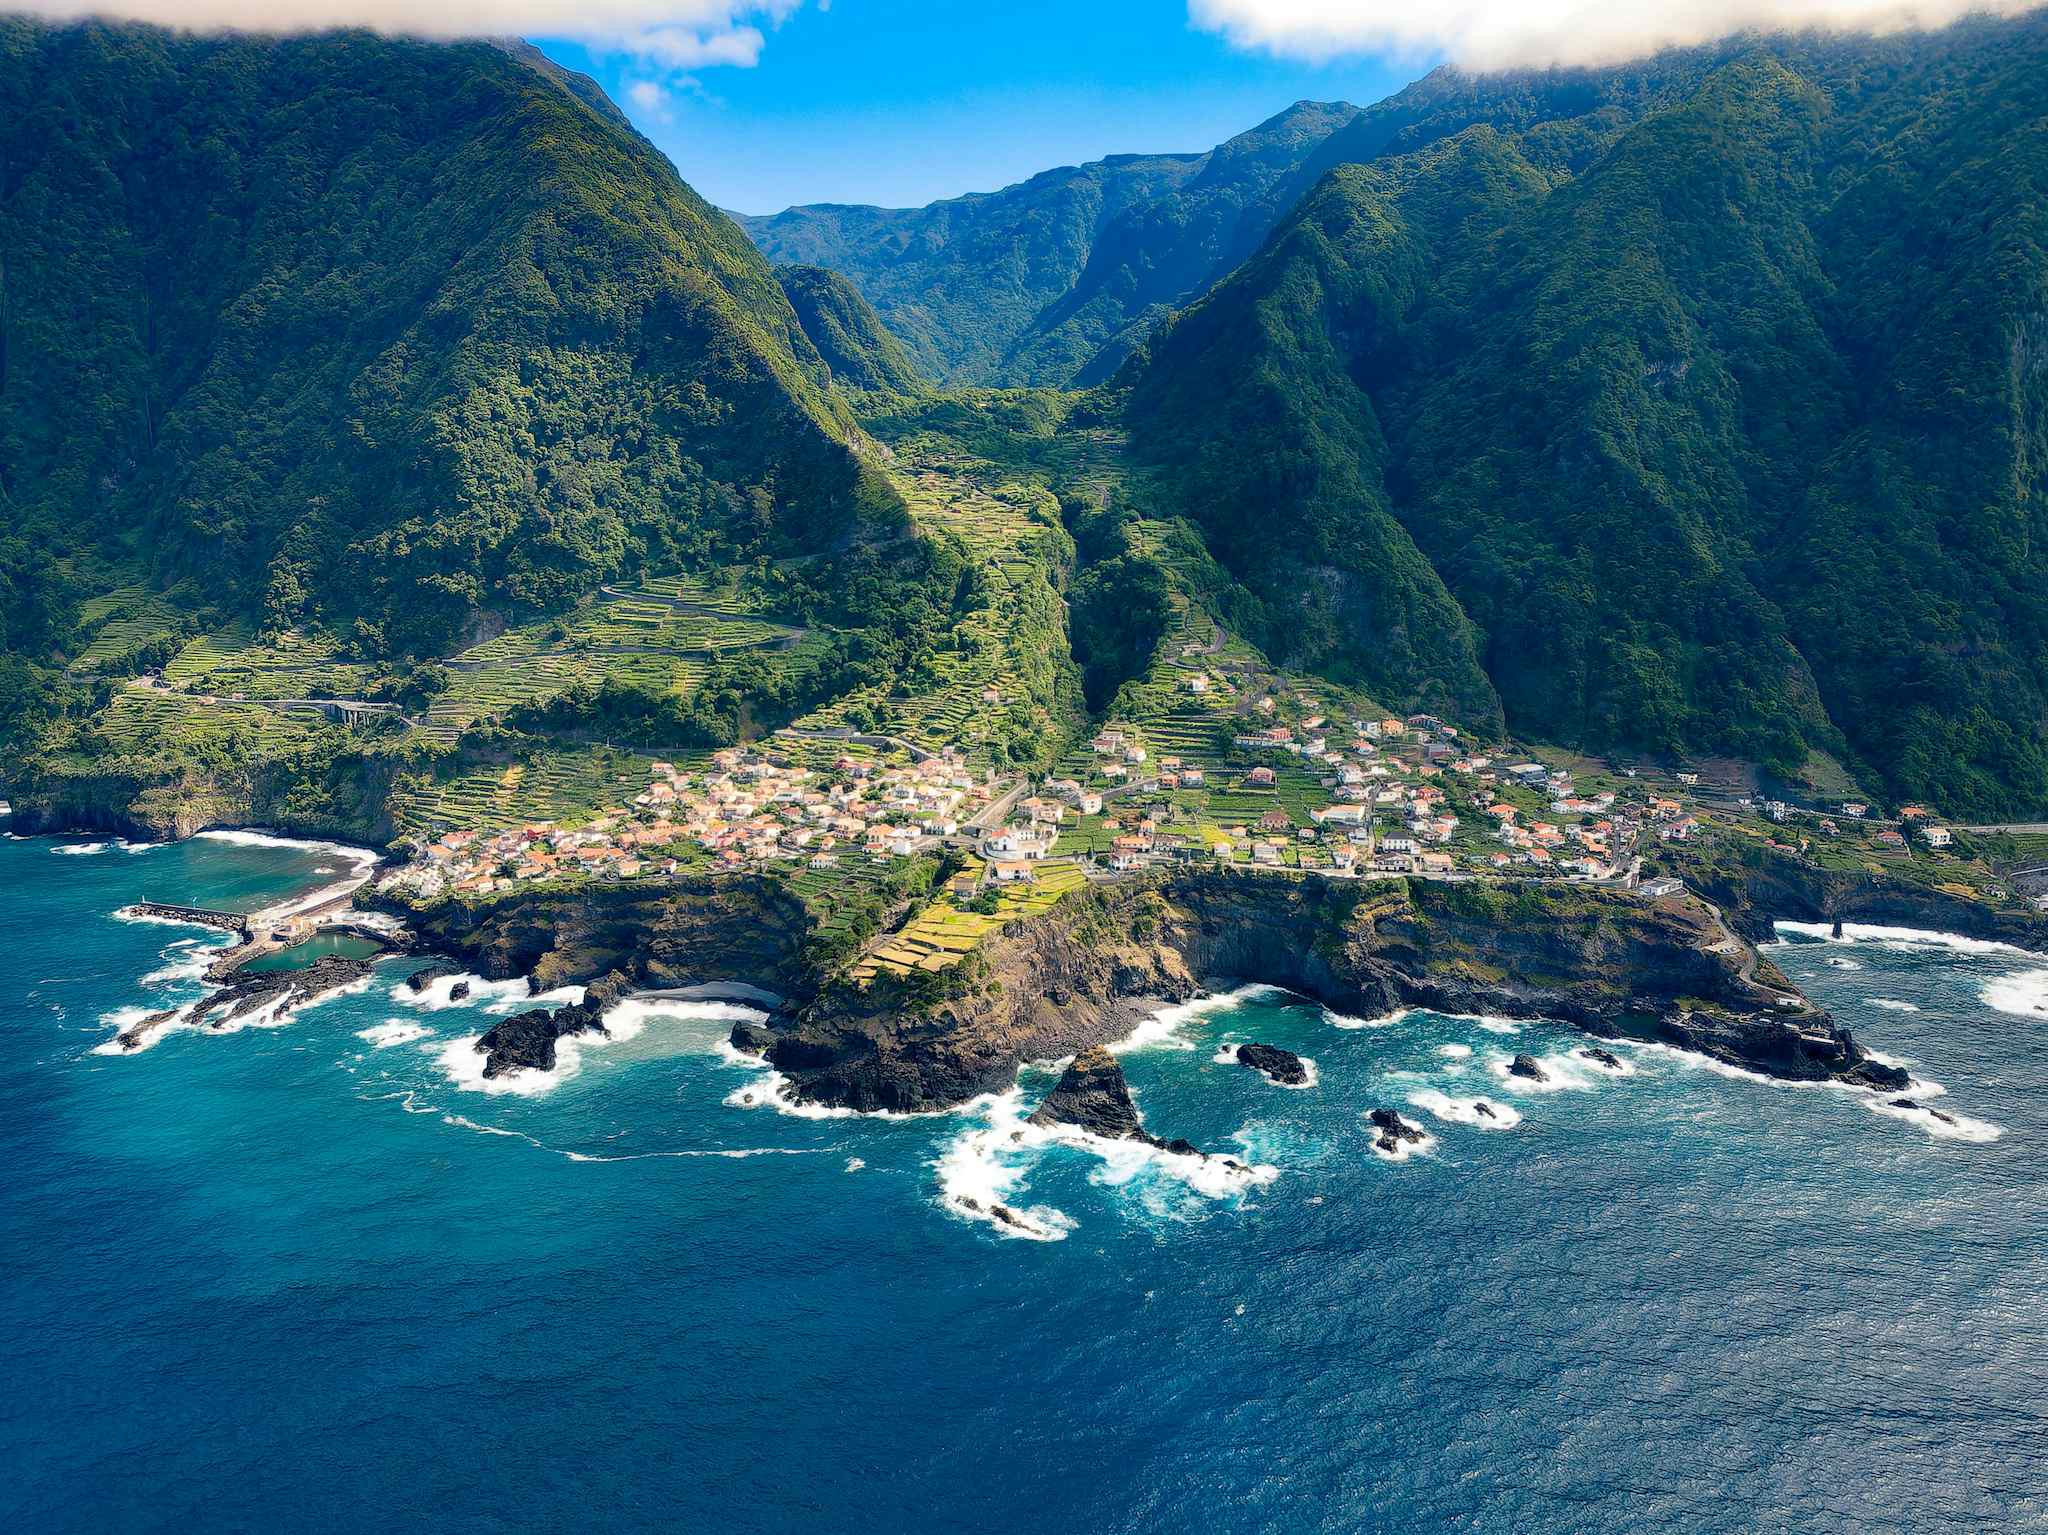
(353, 328)
(845, 329)
(1052, 280)
(1695, 406)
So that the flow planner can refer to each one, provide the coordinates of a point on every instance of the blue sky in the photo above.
(901, 102)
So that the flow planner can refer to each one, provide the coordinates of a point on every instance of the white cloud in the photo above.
(670, 34)
(650, 101)
(1506, 34)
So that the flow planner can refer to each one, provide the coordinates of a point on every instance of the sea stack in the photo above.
(1276, 1065)
(1092, 1095)
(1525, 1066)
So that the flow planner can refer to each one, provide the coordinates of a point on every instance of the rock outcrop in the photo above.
(1604, 1058)
(527, 1041)
(1273, 1063)
(1394, 1131)
(249, 993)
(1092, 1095)
(1525, 1066)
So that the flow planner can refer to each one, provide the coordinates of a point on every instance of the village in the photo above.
(1223, 767)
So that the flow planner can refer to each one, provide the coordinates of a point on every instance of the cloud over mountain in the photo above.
(672, 34)
(1507, 34)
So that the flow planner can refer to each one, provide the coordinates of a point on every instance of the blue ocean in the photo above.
(313, 1276)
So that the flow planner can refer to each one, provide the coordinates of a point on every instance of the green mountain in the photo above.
(845, 329)
(1697, 406)
(347, 330)
(1051, 281)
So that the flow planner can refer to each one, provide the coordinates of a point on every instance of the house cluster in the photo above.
(746, 808)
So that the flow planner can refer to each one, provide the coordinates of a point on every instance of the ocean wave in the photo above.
(2023, 994)
(489, 995)
(1338, 1020)
(1465, 1111)
(1939, 1123)
(1565, 1071)
(1161, 1029)
(1499, 1026)
(1835, 961)
(464, 1064)
(981, 1170)
(393, 1031)
(80, 849)
(855, 1164)
(1893, 1005)
(186, 959)
(1454, 1052)
(1899, 938)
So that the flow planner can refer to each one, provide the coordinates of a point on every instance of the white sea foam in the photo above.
(1838, 963)
(1402, 1149)
(983, 1168)
(1938, 1123)
(393, 1031)
(1499, 1026)
(1226, 1055)
(1465, 1111)
(80, 849)
(1898, 937)
(464, 1063)
(1342, 1021)
(1892, 1005)
(854, 1164)
(187, 959)
(134, 849)
(130, 914)
(1162, 1028)
(511, 995)
(1563, 1071)
(1454, 1052)
(2023, 994)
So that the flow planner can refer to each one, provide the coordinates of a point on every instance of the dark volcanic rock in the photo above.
(1525, 1066)
(1481, 1107)
(1394, 1130)
(752, 1038)
(1277, 1065)
(248, 992)
(1914, 1103)
(527, 1042)
(459, 991)
(1601, 1057)
(1092, 1096)
(426, 975)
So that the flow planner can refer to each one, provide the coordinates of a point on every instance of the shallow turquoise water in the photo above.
(300, 1278)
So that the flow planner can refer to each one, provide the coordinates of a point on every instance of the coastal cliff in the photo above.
(730, 927)
(1614, 965)
(1756, 887)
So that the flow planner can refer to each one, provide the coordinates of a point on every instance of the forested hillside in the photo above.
(354, 331)
(1051, 281)
(845, 329)
(1692, 407)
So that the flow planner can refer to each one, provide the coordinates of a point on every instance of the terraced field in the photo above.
(141, 720)
(562, 787)
(944, 933)
(231, 664)
(995, 683)
(126, 619)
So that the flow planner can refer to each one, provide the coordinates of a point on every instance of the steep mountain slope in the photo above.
(350, 329)
(845, 329)
(1723, 435)
(1028, 285)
